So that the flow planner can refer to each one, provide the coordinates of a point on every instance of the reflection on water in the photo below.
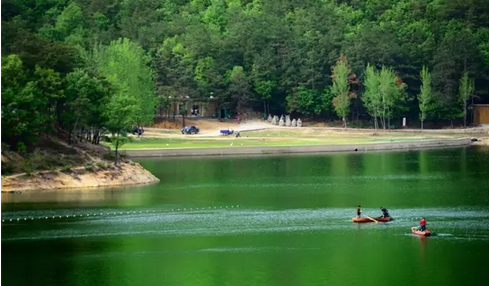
(261, 221)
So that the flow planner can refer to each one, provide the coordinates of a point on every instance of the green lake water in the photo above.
(264, 220)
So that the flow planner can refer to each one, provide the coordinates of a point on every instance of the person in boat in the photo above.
(359, 211)
(422, 223)
(385, 213)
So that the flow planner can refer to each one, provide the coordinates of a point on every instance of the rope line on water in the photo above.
(100, 214)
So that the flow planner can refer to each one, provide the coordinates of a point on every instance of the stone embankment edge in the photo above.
(257, 150)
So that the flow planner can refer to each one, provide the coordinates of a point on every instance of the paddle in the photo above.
(371, 219)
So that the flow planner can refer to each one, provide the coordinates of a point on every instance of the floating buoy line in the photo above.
(118, 213)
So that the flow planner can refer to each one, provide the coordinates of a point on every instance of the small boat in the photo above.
(364, 219)
(416, 231)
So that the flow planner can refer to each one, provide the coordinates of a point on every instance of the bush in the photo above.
(109, 156)
(7, 168)
(102, 165)
(5, 146)
(21, 148)
(90, 168)
(28, 166)
(53, 161)
(38, 160)
(66, 168)
(33, 162)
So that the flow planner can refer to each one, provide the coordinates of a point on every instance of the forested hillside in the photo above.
(103, 65)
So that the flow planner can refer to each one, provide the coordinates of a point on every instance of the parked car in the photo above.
(137, 130)
(190, 130)
(227, 131)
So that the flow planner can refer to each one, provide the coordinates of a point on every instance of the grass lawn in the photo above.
(260, 138)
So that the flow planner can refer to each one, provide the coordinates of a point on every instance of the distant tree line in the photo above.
(92, 67)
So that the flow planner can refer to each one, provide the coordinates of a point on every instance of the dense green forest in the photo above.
(91, 67)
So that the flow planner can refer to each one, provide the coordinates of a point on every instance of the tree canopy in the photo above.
(60, 57)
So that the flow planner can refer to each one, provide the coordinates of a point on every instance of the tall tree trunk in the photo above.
(422, 124)
(74, 131)
(357, 111)
(465, 114)
(344, 121)
(116, 148)
(183, 121)
(265, 108)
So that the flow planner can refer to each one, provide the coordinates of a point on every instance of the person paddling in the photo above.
(359, 211)
(422, 223)
(385, 213)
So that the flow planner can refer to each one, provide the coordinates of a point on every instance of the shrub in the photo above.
(102, 165)
(5, 146)
(33, 162)
(109, 156)
(38, 160)
(66, 168)
(21, 148)
(7, 168)
(90, 168)
(53, 161)
(28, 166)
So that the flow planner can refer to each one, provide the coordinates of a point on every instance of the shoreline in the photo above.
(125, 174)
(262, 150)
